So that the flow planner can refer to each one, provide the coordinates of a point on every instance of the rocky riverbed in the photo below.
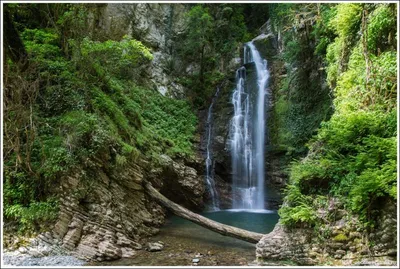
(187, 244)
(40, 253)
(15, 258)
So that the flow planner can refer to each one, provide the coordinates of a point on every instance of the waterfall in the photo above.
(209, 162)
(241, 143)
(248, 132)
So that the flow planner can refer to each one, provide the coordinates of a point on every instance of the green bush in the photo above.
(297, 209)
(381, 28)
(118, 58)
(34, 217)
(22, 203)
(297, 215)
(347, 19)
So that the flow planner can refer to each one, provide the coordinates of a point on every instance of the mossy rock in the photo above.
(341, 238)
(267, 47)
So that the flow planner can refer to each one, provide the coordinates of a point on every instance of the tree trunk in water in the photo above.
(217, 227)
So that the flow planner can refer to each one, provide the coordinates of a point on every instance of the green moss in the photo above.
(341, 238)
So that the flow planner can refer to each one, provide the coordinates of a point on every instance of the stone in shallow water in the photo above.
(153, 247)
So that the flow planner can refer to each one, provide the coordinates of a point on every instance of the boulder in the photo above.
(182, 183)
(127, 253)
(153, 247)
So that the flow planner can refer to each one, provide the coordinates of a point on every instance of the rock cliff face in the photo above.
(222, 113)
(106, 219)
(157, 26)
(340, 242)
(179, 182)
(111, 217)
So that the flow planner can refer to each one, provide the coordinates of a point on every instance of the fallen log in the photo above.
(220, 228)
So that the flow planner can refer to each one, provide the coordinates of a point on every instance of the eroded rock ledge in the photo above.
(107, 215)
(340, 243)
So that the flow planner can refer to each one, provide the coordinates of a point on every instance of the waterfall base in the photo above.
(217, 227)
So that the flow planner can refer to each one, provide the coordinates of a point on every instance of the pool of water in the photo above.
(185, 241)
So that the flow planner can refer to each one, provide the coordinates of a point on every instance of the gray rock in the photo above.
(315, 249)
(109, 250)
(124, 241)
(137, 246)
(153, 247)
(23, 250)
(340, 252)
(353, 235)
(128, 252)
(219, 139)
(34, 242)
(183, 181)
(392, 252)
(45, 250)
(386, 238)
(234, 64)
(335, 245)
(195, 260)
(146, 22)
(35, 253)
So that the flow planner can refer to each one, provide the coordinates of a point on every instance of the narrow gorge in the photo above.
(200, 134)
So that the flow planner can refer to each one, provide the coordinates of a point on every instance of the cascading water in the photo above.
(248, 132)
(209, 162)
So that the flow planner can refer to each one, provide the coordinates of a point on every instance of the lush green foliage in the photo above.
(345, 25)
(354, 154)
(302, 100)
(382, 28)
(114, 58)
(80, 101)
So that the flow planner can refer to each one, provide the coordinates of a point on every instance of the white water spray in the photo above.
(209, 162)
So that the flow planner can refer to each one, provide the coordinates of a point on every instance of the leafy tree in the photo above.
(200, 26)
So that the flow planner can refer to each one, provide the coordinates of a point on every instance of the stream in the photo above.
(185, 241)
